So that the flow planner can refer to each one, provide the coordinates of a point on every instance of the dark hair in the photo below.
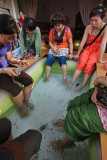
(58, 18)
(98, 11)
(5, 129)
(30, 24)
(7, 24)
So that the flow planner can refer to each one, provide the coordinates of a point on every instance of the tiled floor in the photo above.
(50, 100)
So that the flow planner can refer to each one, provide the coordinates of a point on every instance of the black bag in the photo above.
(94, 39)
(102, 96)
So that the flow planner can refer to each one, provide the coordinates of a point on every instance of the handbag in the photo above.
(94, 38)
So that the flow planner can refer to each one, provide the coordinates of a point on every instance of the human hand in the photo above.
(10, 71)
(22, 62)
(76, 57)
(55, 49)
(94, 96)
(100, 61)
(36, 57)
(70, 56)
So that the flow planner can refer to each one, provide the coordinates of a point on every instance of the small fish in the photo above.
(43, 127)
(77, 85)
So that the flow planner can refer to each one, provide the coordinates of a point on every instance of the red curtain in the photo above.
(32, 8)
(85, 9)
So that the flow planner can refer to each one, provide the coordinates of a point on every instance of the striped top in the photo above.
(16, 148)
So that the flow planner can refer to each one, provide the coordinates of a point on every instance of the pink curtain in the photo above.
(32, 8)
(85, 8)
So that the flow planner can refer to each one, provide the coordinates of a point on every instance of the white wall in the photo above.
(47, 7)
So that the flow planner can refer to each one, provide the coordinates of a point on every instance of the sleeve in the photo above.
(22, 46)
(38, 42)
(79, 100)
(51, 37)
(9, 47)
(69, 34)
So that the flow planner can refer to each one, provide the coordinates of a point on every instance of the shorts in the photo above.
(51, 59)
(7, 83)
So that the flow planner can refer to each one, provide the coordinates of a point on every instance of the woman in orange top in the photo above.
(60, 41)
(94, 52)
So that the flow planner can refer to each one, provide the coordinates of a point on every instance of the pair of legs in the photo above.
(10, 85)
(76, 75)
(62, 61)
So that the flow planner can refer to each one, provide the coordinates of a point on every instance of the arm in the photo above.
(54, 48)
(70, 55)
(38, 42)
(103, 46)
(84, 39)
(22, 46)
(97, 82)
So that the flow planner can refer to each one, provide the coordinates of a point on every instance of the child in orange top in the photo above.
(60, 41)
(94, 52)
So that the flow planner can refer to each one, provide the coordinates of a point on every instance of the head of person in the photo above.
(96, 17)
(58, 20)
(29, 25)
(5, 130)
(8, 29)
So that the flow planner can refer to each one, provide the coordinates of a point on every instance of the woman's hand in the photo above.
(76, 57)
(55, 50)
(10, 71)
(100, 61)
(36, 57)
(70, 56)
(22, 62)
(94, 96)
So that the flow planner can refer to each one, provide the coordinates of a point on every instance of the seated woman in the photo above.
(8, 76)
(23, 147)
(30, 39)
(60, 41)
(94, 52)
(85, 116)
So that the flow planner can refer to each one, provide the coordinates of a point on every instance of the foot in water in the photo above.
(64, 81)
(28, 104)
(60, 144)
(79, 88)
(47, 79)
(70, 85)
(59, 123)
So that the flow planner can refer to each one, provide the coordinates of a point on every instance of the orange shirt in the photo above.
(16, 148)
(67, 35)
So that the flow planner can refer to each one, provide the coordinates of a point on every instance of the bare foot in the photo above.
(23, 111)
(30, 105)
(79, 88)
(70, 85)
(59, 123)
(60, 144)
(64, 81)
(47, 79)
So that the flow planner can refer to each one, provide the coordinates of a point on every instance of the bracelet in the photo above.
(18, 61)
(3, 70)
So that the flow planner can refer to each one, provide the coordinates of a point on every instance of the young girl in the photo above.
(94, 52)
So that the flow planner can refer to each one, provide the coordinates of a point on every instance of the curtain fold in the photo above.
(85, 9)
(32, 8)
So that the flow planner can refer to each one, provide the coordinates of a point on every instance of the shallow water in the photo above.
(51, 99)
